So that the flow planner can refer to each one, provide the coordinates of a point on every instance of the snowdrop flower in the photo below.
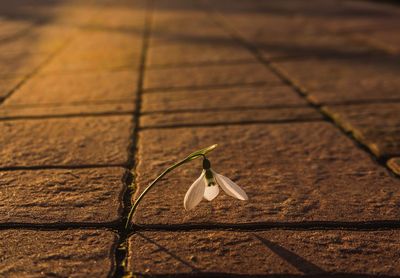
(207, 187)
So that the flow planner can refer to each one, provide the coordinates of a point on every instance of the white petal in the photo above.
(211, 192)
(230, 188)
(195, 193)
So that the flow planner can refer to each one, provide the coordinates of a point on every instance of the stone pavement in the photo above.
(301, 96)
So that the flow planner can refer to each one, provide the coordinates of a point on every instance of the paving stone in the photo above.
(292, 34)
(12, 28)
(235, 116)
(386, 39)
(394, 164)
(96, 51)
(16, 112)
(345, 80)
(126, 19)
(291, 172)
(69, 253)
(276, 252)
(72, 61)
(61, 196)
(20, 64)
(199, 29)
(73, 88)
(7, 85)
(215, 75)
(223, 98)
(68, 141)
(189, 54)
(41, 39)
(375, 125)
(312, 46)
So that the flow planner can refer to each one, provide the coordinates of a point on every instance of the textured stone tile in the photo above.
(98, 51)
(192, 54)
(81, 61)
(15, 112)
(76, 88)
(225, 98)
(61, 196)
(291, 172)
(310, 45)
(120, 20)
(375, 125)
(386, 39)
(199, 29)
(19, 64)
(12, 28)
(394, 164)
(71, 141)
(41, 39)
(69, 253)
(7, 85)
(236, 116)
(276, 252)
(235, 74)
(345, 80)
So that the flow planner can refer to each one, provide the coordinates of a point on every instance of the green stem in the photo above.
(192, 156)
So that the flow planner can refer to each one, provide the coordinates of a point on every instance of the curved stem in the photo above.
(192, 156)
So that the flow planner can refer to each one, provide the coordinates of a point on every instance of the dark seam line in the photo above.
(202, 125)
(64, 116)
(121, 250)
(305, 225)
(201, 64)
(17, 106)
(211, 86)
(61, 167)
(222, 109)
(360, 102)
(366, 226)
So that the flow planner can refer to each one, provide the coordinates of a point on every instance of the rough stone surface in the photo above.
(276, 252)
(20, 64)
(61, 196)
(97, 51)
(216, 75)
(69, 253)
(7, 85)
(68, 141)
(180, 54)
(72, 89)
(345, 80)
(300, 172)
(375, 125)
(394, 164)
(220, 99)
(236, 116)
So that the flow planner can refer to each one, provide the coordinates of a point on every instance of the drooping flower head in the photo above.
(207, 187)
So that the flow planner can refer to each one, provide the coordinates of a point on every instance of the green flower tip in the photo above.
(203, 151)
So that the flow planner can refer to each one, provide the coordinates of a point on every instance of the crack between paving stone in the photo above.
(208, 87)
(201, 125)
(234, 275)
(220, 21)
(122, 248)
(232, 108)
(66, 116)
(189, 65)
(275, 225)
(17, 106)
(61, 167)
